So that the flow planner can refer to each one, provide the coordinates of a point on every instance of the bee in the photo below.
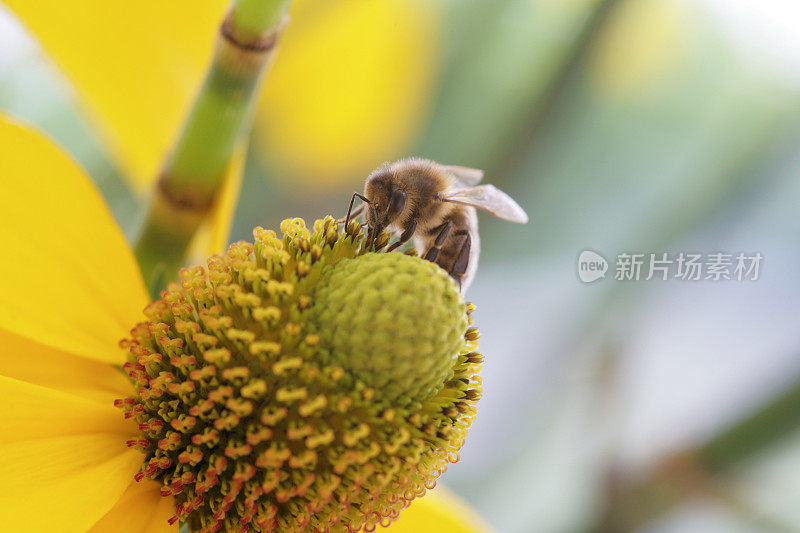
(435, 205)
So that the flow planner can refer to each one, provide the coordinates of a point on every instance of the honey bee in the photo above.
(435, 205)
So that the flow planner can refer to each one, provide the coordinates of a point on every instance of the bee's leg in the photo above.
(462, 256)
(404, 237)
(433, 251)
(370, 236)
(373, 232)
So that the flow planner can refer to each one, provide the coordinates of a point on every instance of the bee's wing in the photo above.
(467, 176)
(488, 198)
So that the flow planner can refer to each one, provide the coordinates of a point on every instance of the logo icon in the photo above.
(591, 266)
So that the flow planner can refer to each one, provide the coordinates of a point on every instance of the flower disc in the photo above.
(253, 415)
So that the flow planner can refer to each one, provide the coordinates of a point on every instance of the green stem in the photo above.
(251, 17)
(774, 421)
(532, 122)
(686, 474)
(216, 126)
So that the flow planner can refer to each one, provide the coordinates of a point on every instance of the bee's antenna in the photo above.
(350, 208)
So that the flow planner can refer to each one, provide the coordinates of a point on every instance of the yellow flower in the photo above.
(347, 90)
(71, 290)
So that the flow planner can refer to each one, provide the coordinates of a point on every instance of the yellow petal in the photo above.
(140, 510)
(135, 65)
(439, 510)
(68, 279)
(349, 86)
(36, 412)
(65, 463)
(35, 363)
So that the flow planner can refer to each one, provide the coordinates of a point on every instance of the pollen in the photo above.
(302, 383)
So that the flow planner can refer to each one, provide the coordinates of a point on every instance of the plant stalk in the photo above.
(690, 473)
(217, 124)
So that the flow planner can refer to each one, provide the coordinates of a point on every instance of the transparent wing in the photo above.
(487, 198)
(467, 176)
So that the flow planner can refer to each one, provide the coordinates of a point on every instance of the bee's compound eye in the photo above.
(398, 201)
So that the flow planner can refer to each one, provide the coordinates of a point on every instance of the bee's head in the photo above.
(386, 199)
